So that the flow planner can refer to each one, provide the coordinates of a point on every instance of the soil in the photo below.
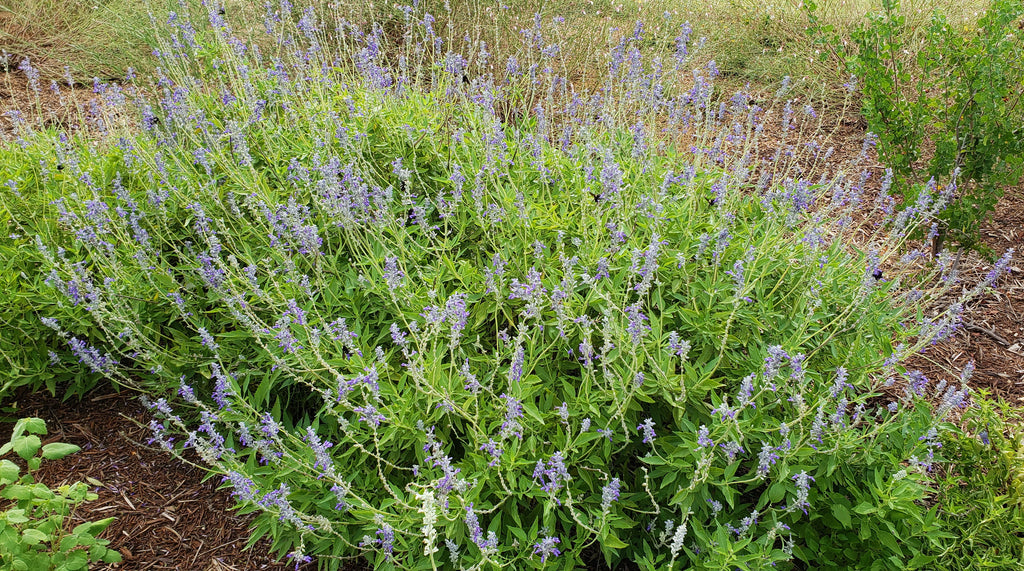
(168, 517)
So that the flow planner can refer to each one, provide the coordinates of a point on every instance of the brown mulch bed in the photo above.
(58, 109)
(168, 518)
(993, 332)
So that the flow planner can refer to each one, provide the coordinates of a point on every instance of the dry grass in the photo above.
(752, 41)
(762, 41)
(91, 37)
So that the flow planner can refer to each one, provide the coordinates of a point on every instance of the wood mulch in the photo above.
(61, 108)
(993, 324)
(993, 331)
(168, 517)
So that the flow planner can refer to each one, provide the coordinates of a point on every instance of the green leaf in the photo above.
(730, 495)
(35, 425)
(93, 527)
(9, 472)
(16, 516)
(111, 556)
(34, 536)
(42, 492)
(77, 560)
(889, 541)
(18, 492)
(842, 514)
(27, 446)
(614, 542)
(865, 508)
(920, 560)
(730, 471)
(263, 390)
(518, 533)
(58, 450)
(68, 543)
(32, 425)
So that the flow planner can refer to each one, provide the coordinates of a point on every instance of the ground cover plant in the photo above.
(440, 310)
(33, 532)
(981, 493)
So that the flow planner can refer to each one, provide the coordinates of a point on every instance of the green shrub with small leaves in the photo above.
(33, 528)
(962, 100)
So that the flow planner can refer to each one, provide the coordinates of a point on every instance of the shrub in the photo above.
(33, 532)
(541, 328)
(964, 99)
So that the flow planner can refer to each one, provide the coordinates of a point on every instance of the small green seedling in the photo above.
(33, 533)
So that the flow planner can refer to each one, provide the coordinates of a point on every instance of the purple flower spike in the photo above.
(546, 548)
(647, 428)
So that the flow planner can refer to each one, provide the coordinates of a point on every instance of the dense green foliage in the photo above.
(27, 345)
(982, 491)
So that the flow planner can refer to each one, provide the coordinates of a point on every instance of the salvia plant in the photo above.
(434, 308)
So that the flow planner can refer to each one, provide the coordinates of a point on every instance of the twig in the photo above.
(971, 326)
